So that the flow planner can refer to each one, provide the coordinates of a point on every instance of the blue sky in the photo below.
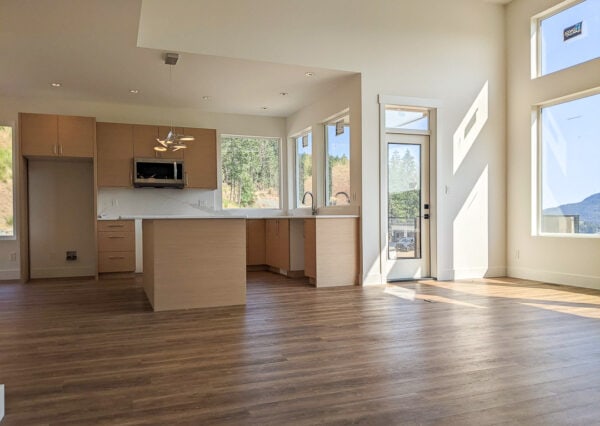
(338, 145)
(571, 130)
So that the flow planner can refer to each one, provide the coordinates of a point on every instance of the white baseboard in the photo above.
(585, 281)
(10, 274)
(63, 272)
(373, 279)
(1, 402)
(471, 273)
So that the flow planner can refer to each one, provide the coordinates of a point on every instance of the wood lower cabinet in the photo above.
(277, 244)
(115, 154)
(255, 242)
(49, 135)
(116, 246)
(331, 251)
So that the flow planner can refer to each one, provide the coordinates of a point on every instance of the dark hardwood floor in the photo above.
(462, 353)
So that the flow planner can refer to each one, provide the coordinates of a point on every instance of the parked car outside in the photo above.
(405, 244)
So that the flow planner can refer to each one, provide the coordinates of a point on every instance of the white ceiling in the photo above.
(90, 47)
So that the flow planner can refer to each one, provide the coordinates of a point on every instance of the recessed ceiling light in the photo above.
(283, 93)
(55, 84)
(134, 91)
(206, 98)
(265, 107)
(309, 74)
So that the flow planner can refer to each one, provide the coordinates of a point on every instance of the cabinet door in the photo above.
(115, 154)
(310, 248)
(38, 134)
(283, 244)
(76, 136)
(163, 131)
(255, 242)
(144, 141)
(271, 243)
(201, 159)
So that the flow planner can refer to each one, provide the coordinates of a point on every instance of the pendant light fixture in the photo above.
(173, 141)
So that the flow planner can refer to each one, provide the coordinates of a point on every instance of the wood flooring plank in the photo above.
(497, 351)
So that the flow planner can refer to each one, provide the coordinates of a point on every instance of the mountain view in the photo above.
(588, 211)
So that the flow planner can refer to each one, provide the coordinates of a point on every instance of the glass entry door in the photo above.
(407, 233)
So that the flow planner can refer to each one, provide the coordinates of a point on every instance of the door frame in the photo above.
(433, 106)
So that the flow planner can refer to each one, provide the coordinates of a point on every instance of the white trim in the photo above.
(13, 126)
(373, 279)
(410, 102)
(472, 273)
(553, 277)
(9, 274)
(1, 402)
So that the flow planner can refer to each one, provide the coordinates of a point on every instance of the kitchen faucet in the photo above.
(345, 194)
(312, 202)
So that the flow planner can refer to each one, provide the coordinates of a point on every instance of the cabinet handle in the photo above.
(131, 177)
(60, 149)
(186, 179)
(54, 150)
(116, 257)
(115, 226)
(115, 237)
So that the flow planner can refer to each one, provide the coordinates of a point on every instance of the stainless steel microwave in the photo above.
(158, 173)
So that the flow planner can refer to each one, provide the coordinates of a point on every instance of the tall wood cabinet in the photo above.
(115, 153)
(49, 135)
(201, 159)
(277, 244)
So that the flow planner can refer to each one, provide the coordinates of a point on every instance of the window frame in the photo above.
(279, 140)
(332, 120)
(536, 37)
(296, 194)
(537, 155)
(13, 126)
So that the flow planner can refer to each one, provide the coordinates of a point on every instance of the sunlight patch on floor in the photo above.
(580, 311)
(412, 295)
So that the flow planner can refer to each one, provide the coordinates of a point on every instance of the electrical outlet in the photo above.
(115, 202)
(71, 255)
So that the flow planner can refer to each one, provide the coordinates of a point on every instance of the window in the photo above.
(304, 168)
(403, 118)
(7, 226)
(250, 168)
(570, 167)
(569, 37)
(337, 161)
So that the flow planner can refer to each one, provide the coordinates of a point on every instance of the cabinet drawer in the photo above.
(116, 241)
(115, 225)
(116, 261)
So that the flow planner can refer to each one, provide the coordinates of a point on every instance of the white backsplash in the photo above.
(115, 202)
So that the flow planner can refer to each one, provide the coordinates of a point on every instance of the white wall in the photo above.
(443, 50)
(61, 203)
(138, 201)
(562, 260)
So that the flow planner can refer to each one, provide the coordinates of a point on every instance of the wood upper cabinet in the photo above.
(163, 131)
(200, 158)
(115, 154)
(144, 141)
(48, 135)
(255, 242)
(277, 243)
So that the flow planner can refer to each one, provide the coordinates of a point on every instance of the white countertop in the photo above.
(149, 217)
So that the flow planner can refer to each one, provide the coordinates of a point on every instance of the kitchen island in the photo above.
(195, 262)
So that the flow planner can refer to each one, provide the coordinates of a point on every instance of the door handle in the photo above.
(426, 216)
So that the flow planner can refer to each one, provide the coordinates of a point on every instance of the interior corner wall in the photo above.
(561, 260)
